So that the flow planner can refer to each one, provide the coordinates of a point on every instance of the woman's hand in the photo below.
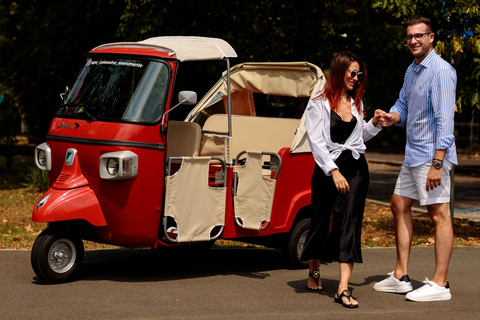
(340, 182)
(378, 117)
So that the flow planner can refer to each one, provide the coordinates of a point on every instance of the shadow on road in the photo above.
(146, 265)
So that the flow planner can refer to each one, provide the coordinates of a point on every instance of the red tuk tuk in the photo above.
(122, 171)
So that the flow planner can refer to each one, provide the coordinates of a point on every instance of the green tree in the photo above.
(457, 28)
(42, 44)
(9, 123)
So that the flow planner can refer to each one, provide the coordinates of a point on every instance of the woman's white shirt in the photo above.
(324, 150)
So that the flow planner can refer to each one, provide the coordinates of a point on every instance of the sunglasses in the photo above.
(357, 74)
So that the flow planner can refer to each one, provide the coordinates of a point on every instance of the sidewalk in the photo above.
(466, 164)
(466, 183)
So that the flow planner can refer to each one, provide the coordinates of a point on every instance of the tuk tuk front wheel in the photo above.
(57, 255)
(295, 244)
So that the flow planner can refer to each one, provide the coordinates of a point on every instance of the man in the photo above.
(426, 107)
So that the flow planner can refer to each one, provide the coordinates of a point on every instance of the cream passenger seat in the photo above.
(183, 139)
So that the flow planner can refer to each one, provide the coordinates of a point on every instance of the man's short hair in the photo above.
(418, 18)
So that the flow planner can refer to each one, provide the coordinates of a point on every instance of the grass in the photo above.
(18, 231)
(378, 229)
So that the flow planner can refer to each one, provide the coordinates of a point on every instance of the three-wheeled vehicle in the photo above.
(122, 171)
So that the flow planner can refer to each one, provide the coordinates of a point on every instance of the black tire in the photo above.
(57, 256)
(295, 244)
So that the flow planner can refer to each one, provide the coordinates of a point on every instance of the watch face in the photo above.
(437, 164)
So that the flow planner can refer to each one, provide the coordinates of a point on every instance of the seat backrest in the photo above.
(183, 139)
(255, 133)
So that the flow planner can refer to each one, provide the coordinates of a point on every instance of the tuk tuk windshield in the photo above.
(116, 89)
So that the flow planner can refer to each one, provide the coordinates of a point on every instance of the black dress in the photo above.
(336, 236)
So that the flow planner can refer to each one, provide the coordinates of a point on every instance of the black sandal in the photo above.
(316, 276)
(346, 294)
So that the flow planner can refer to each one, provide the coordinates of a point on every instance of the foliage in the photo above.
(36, 180)
(473, 150)
(42, 43)
(457, 28)
(9, 123)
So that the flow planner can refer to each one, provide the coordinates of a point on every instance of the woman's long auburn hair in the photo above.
(336, 81)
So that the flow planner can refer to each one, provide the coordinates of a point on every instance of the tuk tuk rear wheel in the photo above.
(295, 244)
(57, 255)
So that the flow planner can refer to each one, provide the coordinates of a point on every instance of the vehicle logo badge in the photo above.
(64, 125)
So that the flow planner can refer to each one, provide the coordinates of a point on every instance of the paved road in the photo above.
(227, 284)
(238, 283)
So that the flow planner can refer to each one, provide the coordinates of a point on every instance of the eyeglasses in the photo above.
(417, 36)
(357, 74)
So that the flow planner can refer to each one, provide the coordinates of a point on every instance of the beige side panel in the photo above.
(196, 207)
(254, 199)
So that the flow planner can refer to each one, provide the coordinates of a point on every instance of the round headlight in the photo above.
(112, 166)
(42, 158)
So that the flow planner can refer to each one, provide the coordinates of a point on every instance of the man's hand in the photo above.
(388, 119)
(434, 178)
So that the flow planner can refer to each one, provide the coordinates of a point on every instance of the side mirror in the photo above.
(187, 98)
(64, 95)
(184, 97)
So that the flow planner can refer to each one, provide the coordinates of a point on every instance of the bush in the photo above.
(36, 179)
(473, 149)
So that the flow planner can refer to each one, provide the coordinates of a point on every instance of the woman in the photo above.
(337, 132)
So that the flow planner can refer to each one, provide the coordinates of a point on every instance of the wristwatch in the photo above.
(437, 164)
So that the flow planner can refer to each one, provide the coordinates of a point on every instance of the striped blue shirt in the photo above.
(426, 106)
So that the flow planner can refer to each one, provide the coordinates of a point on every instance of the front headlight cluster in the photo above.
(118, 165)
(43, 157)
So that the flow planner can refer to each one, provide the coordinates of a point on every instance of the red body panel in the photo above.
(132, 50)
(75, 204)
(292, 193)
(131, 207)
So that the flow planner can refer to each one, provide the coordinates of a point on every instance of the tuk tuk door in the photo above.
(195, 187)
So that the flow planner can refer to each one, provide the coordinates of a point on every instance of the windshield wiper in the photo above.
(81, 106)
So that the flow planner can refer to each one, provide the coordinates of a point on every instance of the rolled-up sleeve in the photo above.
(370, 131)
(314, 121)
(443, 103)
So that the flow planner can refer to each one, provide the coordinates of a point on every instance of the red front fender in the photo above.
(72, 204)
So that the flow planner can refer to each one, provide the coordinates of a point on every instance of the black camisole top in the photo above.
(340, 130)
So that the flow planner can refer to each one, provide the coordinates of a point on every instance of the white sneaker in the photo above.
(430, 292)
(392, 284)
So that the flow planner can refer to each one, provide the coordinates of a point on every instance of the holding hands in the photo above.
(385, 119)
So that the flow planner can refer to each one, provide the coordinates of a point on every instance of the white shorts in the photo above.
(412, 182)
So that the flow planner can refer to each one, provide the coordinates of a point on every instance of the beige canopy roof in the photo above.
(294, 79)
(185, 48)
